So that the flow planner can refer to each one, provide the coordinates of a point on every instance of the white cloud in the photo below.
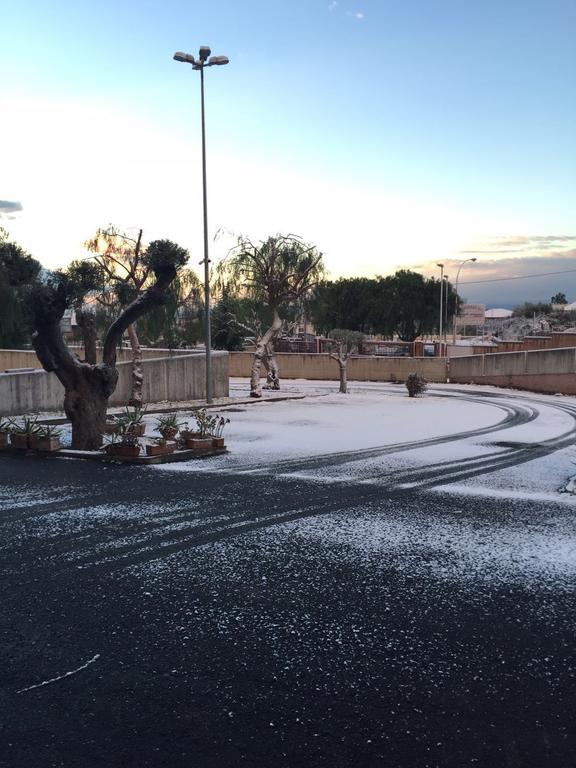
(359, 15)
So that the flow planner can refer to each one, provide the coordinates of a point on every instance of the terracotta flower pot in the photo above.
(48, 444)
(217, 442)
(199, 443)
(188, 434)
(160, 450)
(19, 441)
(137, 430)
(131, 451)
(169, 434)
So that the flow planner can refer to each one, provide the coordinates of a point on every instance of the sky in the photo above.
(390, 133)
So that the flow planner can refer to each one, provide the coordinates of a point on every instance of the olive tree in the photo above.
(88, 386)
(276, 272)
(345, 344)
(124, 262)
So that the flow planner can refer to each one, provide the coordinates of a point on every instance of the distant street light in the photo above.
(441, 303)
(204, 60)
(457, 312)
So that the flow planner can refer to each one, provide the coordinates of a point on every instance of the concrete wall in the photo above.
(294, 365)
(548, 370)
(26, 358)
(175, 378)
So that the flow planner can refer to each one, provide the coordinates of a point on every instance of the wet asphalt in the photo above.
(212, 621)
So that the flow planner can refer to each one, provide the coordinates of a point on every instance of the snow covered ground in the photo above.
(465, 440)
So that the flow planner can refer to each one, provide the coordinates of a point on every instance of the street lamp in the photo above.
(441, 299)
(446, 313)
(204, 60)
(456, 314)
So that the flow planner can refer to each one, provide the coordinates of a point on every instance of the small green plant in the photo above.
(416, 385)
(47, 432)
(168, 424)
(205, 422)
(28, 426)
(122, 437)
(132, 415)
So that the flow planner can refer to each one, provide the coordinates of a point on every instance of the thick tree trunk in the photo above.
(137, 375)
(261, 353)
(85, 403)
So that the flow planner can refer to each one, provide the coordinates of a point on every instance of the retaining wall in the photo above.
(26, 358)
(549, 371)
(177, 378)
(294, 365)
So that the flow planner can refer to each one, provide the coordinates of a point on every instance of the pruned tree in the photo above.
(123, 259)
(88, 386)
(275, 272)
(345, 344)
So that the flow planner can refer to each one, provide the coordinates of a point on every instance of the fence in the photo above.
(549, 371)
(371, 348)
(177, 378)
(26, 358)
(322, 367)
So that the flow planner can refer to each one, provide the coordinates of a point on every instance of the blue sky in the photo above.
(390, 133)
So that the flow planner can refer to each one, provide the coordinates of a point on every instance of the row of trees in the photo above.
(405, 304)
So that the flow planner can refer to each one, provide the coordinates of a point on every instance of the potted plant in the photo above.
(4, 433)
(48, 439)
(168, 425)
(218, 429)
(123, 443)
(160, 447)
(134, 418)
(188, 434)
(205, 424)
(24, 435)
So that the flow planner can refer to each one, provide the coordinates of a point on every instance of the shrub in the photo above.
(415, 385)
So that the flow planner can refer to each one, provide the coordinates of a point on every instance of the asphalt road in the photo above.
(206, 620)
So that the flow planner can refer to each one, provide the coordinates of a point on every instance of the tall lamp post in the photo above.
(456, 314)
(446, 313)
(204, 60)
(441, 303)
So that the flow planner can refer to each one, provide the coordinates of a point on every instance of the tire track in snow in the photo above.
(155, 539)
(516, 415)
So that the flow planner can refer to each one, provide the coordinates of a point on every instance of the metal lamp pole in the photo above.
(204, 60)
(441, 306)
(446, 313)
(456, 314)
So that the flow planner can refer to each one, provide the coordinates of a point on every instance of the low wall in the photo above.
(175, 379)
(26, 358)
(548, 371)
(294, 365)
